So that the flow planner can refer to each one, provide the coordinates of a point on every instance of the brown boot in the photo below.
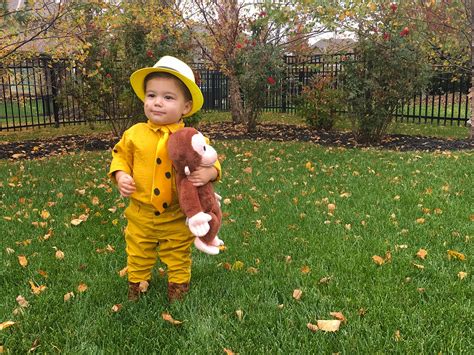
(176, 292)
(133, 291)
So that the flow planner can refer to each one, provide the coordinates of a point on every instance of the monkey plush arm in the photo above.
(191, 207)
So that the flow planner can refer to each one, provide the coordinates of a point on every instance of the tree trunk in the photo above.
(236, 105)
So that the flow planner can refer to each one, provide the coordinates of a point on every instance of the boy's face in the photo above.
(165, 102)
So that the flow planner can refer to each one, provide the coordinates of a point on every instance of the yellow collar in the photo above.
(173, 127)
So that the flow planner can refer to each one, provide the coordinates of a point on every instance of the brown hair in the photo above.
(184, 89)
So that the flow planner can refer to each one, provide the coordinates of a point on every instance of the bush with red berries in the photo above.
(390, 67)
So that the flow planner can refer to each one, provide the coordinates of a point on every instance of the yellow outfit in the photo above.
(141, 149)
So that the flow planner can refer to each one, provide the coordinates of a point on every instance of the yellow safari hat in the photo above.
(176, 67)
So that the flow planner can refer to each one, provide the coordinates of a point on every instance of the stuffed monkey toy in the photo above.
(188, 149)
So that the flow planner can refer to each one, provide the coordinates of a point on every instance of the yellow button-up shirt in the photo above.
(135, 154)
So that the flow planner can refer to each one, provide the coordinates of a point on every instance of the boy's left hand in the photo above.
(202, 175)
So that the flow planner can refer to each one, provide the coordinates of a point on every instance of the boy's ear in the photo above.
(187, 107)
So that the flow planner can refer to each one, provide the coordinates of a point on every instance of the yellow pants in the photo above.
(148, 237)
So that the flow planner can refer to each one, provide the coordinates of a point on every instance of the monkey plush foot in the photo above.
(217, 242)
(206, 248)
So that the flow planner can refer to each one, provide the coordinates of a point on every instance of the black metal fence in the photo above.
(35, 93)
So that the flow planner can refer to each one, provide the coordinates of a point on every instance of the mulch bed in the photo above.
(34, 149)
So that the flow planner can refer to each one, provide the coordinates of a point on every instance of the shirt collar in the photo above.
(173, 127)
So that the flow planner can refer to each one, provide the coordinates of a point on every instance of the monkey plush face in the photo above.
(188, 149)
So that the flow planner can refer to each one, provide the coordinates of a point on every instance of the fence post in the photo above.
(54, 92)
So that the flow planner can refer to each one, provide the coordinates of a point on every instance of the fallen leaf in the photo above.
(228, 351)
(456, 255)
(37, 289)
(82, 287)
(420, 220)
(331, 207)
(248, 170)
(68, 296)
(6, 324)
(422, 254)
(239, 313)
(167, 317)
(45, 214)
(9, 251)
(59, 255)
(95, 200)
(378, 260)
(116, 307)
(325, 279)
(397, 336)
(43, 273)
(252, 270)
(297, 293)
(238, 265)
(22, 301)
(331, 325)
(22, 260)
(305, 269)
(462, 274)
(418, 266)
(339, 316)
(313, 327)
(76, 221)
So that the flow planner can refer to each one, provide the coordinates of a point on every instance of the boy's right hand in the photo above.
(125, 183)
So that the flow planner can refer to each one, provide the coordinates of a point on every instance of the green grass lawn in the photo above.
(280, 237)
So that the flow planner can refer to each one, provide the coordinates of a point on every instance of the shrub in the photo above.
(320, 102)
(389, 67)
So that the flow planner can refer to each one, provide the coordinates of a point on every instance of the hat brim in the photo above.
(137, 80)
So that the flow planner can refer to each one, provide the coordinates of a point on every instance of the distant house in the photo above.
(333, 45)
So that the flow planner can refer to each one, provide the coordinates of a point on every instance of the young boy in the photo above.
(142, 171)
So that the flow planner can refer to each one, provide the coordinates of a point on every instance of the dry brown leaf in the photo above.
(378, 260)
(22, 301)
(6, 324)
(397, 336)
(339, 316)
(82, 287)
(238, 265)
(167, 317)
(68, 296)
(456, 255)
(59, 255)
(252, 270)
(228, 351)
(248, 170)
(239, 313)
(420, 220)
(331, 325)
(422, 254)
(22, 260)
(37, 289)
(305, 269)
(313, 327)
(325, 279)
(288, 259)
(462, 274)
(418, 266)
(331, 207)
(76, 221)
(9, 251)
(95, 200)
(116, 307)
(45, 214)
(297, 293)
